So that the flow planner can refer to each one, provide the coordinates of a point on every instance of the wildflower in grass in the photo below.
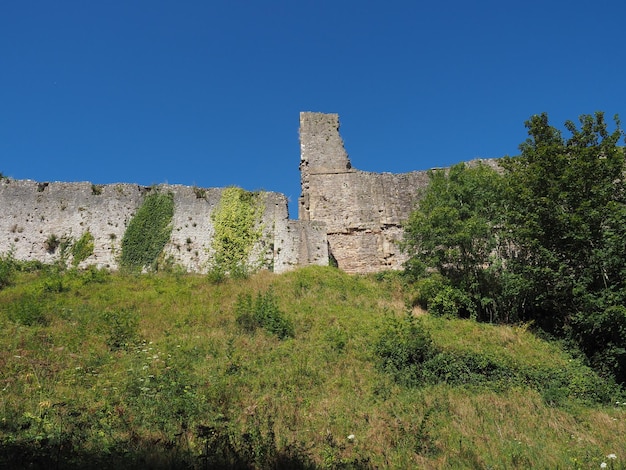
(611, 456)
(603, 465)
(351, 437)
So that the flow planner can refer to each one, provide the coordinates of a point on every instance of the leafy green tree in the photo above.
(455, 232)
(544, 242)
(567, 208)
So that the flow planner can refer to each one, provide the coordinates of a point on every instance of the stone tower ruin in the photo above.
(363, 212)
(346, 215)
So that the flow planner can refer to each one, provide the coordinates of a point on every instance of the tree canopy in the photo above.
(543, 240)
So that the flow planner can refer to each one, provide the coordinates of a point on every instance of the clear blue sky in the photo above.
(208, 93)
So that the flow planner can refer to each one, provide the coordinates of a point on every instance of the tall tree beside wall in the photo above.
(542, 243)
(566, 216)
(454, 232)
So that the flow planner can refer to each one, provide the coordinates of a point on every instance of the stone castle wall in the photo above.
(363, 212)
(350, 216)
(32, 212)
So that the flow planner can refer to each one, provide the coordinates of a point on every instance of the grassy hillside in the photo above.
(282, 371)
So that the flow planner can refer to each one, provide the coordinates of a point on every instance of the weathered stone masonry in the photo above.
(31, 212)
(352, 216)
(363, 211)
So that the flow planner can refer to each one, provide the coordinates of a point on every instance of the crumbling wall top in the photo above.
(321, 146)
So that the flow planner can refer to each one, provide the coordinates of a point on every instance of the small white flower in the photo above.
(351, 437)
(603, 465)
(611, 456)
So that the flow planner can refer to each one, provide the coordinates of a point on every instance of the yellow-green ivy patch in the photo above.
(236, 224)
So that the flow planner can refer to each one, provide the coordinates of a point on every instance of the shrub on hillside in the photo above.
(468, 369)
(7, 270)
(122, 328)
(452, 302)
(27, 311)
(262, 313)
(426, 288)
(402, 347)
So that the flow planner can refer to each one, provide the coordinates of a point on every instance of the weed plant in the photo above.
(82, 248)
(262, 313)
(159, 371)
(7, 269)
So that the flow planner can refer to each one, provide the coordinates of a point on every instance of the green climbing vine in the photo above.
(82, 248)
(148, 232)
(236, 224)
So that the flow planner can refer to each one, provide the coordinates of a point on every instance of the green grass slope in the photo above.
(282, 371)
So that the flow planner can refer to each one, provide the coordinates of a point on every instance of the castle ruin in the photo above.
(349, 216)
(363, 212)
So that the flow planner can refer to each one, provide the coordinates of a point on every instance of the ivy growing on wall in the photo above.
(236, 224)
(148, 232)
(82, 249)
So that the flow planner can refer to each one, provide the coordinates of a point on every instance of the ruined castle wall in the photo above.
(31, 212)
(353, 216)
(192, 228)
(300, 243)
(363, 211)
